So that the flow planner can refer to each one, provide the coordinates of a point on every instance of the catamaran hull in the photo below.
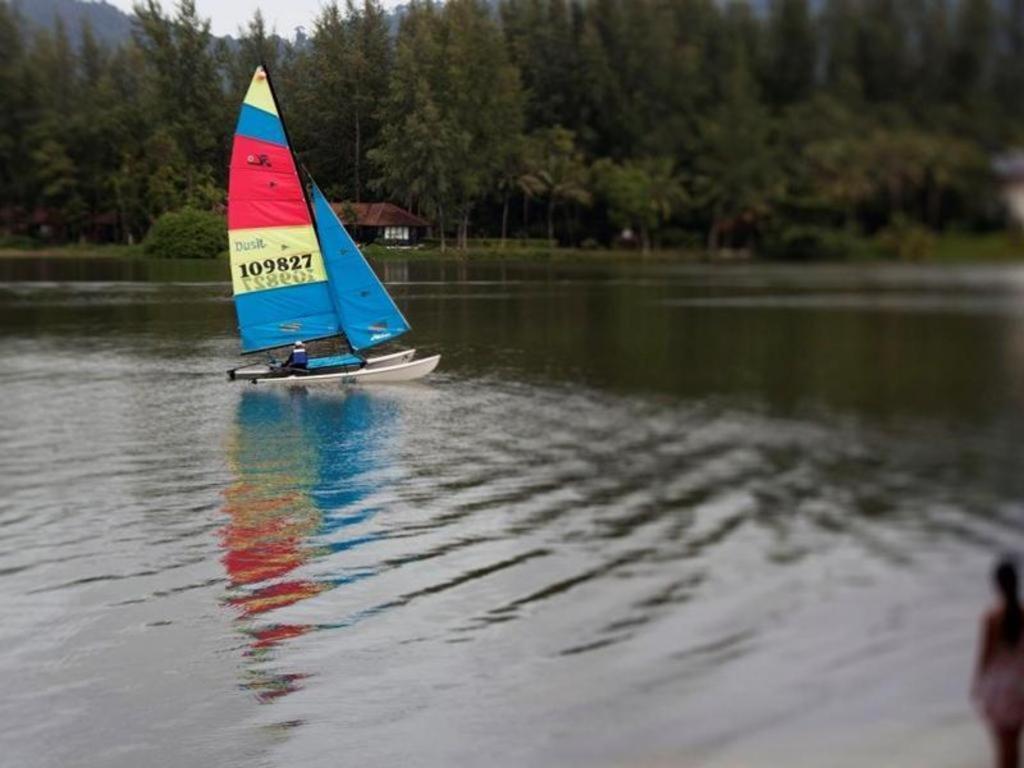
(385, 369)
(380, 374)
(261, 371)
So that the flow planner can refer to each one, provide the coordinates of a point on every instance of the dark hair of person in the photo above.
(1013, 619)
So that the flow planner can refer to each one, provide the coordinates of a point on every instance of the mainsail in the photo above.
(367, 314)
(277, 270)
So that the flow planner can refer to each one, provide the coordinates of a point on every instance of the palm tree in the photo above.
(556, 171)
(666, 193)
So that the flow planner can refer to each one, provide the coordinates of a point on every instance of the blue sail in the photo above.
(368, 315)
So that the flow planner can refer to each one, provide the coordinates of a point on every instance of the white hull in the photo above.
(396, 357)
(262, 372)
(376, 374)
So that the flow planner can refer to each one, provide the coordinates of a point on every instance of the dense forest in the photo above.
(793, 129)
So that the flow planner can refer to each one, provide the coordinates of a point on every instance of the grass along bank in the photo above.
(947, 248)
(74, 250)
(912, 246)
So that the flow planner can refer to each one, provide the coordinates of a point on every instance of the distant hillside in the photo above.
(109, 24)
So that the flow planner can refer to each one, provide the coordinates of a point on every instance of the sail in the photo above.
(277, 271)
(367, 313)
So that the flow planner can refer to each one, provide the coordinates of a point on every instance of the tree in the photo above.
(1009, 82)
(640, 194)
(556, 171)
(509, 177)
(858, 113)
(256, 46)
(183, 90)
(840, 175)
(338, 85)
(59, 192)
(368, 61)
(882, 50)
(18, 94)
(418, 157)
(451, 75)
(481, 94)
(737, 174)
(970, 64)
(791, 53)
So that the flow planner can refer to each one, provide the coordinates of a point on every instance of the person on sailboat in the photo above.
(298, 358)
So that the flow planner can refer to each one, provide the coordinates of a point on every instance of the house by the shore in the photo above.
(1009, 168)
(383, 223)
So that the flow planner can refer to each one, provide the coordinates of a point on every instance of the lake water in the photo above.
(641, 515)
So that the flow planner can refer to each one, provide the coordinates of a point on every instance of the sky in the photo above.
(227, 16)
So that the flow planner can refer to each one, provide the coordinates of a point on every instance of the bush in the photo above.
(810, 242)
(374, 251)
(907, 240)
(677, 237)
(18, 242)
(188, 234)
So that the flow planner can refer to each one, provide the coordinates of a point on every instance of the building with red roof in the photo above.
(383, 223)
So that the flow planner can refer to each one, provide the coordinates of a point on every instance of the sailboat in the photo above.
(296, 274)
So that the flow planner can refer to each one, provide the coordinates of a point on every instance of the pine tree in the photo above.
(184, 87)
(738, 177)
(791, 56)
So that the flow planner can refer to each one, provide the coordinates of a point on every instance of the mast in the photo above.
(291, 149)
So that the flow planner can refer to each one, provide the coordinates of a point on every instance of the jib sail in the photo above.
(367, 313)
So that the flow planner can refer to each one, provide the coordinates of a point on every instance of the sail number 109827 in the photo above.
(280, 264)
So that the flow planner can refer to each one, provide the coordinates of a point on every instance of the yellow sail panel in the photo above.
(274, 257)
(272, 241)
(259, 94)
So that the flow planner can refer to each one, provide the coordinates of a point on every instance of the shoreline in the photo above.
(950, 248)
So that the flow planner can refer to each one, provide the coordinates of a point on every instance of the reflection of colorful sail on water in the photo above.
(300, 466)
(277, 270)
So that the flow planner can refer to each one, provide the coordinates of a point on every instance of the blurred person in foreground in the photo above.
(998, 688)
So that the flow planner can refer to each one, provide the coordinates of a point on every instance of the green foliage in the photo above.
(18, 243)
(555, 171)
(641, 194)
(791, 56)
(805, 242)
(453, 113)
(800, 132)
(971, 246)
(906, 240)
(739, 178)
(333, 91)
(187, 234)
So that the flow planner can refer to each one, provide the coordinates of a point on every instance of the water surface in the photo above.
(640, 515)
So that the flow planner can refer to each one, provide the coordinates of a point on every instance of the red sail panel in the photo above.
(253, 214)
(248, 185)
(253, 153)
(265, 188)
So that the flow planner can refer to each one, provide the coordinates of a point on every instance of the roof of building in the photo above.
(1009, 166)
(378, 215)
